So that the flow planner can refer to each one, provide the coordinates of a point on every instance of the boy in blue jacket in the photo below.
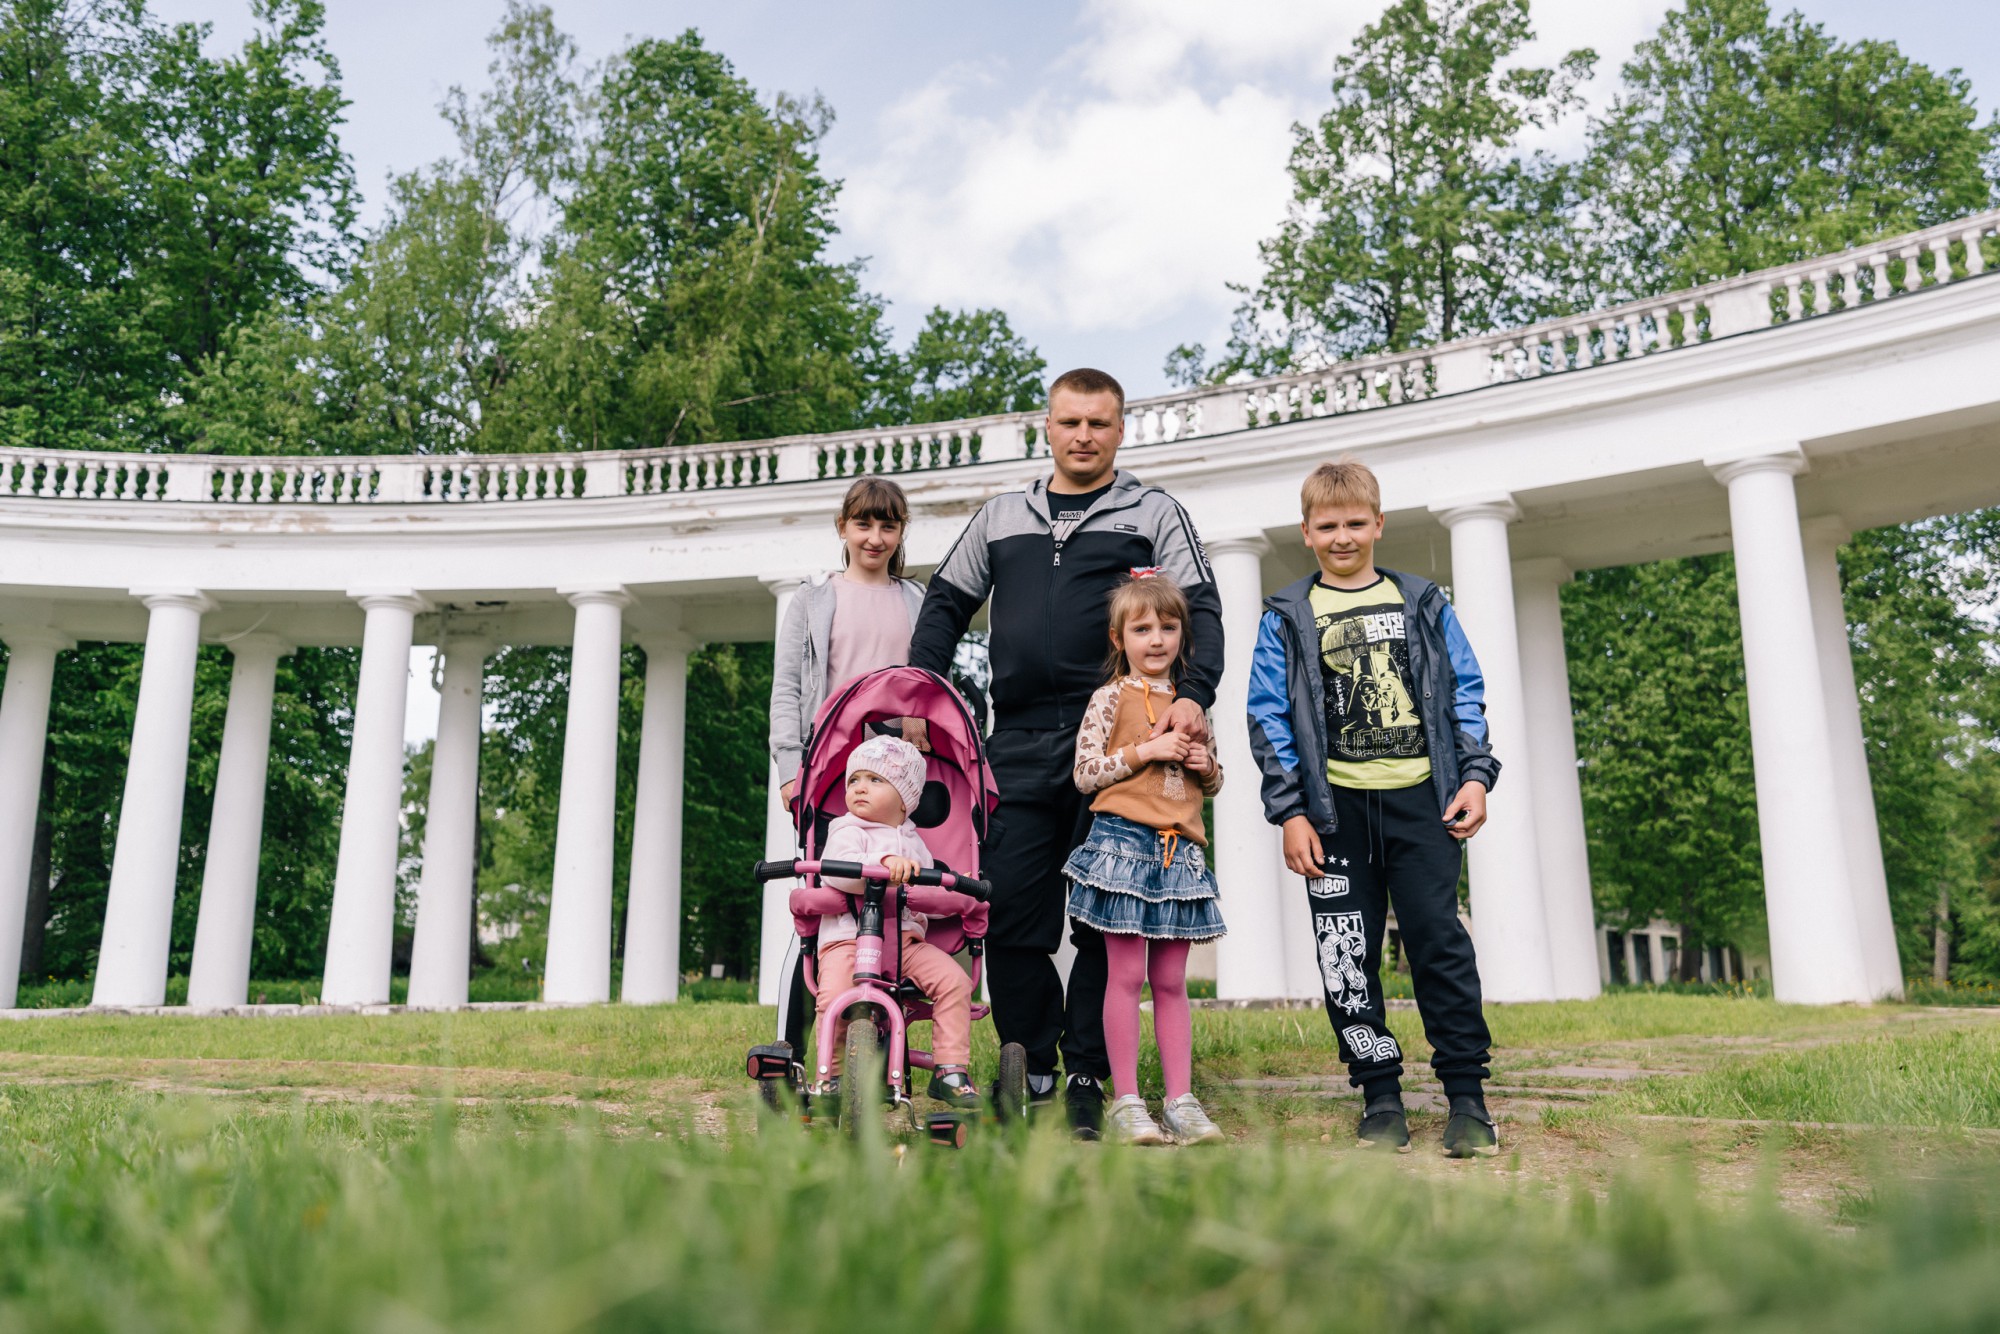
(1368, 719)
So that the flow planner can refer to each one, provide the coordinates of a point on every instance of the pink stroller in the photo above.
(954, 816)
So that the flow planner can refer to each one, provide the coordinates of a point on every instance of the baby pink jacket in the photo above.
(853, 839)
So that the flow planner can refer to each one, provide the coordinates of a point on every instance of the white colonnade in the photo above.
(774, 934)
(1510, 921)
(139, 909)
(441, 952)
(1250, 960)
(653, 901)
(1816, 941)
(579, 967)
(24, 728)
(1599, 460)
(226, 925)
(362, 928)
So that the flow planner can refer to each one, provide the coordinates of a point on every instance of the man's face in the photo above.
(1084, 434)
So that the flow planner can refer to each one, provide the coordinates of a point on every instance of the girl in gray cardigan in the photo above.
(846, 624)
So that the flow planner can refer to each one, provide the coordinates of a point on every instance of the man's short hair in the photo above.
(1342, 484)
(1084, 380)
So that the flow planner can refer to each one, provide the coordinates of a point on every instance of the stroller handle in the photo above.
(963, 884)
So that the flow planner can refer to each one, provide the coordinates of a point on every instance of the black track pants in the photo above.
(1392, 847)
(1042, 819)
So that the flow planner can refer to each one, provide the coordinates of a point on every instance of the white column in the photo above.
(220, 974)
(779, 841)
(653, 901)
(24, 732)
(1551, 751)
(1509, 920)
(441, 953)
(1250, 962)
(579, 964)
(1816, 955)
(139, 910)
(363, 926)
(1863, 838)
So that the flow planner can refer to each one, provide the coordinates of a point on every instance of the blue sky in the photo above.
(1099, 170)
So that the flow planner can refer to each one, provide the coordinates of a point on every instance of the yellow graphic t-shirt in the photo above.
(1374, 734)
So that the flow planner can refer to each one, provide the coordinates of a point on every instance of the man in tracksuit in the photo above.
(1048, 556)
(1368, 719)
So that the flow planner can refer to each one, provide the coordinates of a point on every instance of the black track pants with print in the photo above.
(1392, 847)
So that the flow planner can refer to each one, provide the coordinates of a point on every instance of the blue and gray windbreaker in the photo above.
(1286, 690)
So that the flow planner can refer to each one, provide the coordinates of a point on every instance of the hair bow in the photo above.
(1147, 571)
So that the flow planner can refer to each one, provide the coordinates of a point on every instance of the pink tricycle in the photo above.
(954, 815)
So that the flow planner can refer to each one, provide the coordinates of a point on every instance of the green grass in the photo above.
(137, 1212)
(603, 1168)
(492, 985)
(1946, 1079)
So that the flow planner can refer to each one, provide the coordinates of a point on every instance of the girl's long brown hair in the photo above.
(882, 500)
(1161, 596)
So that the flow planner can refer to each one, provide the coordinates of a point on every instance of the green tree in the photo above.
(1741, 141)
(1663, 741)
(687, 296)
(1413, 219)
(406, 354)
(965, 363)
(152, 197)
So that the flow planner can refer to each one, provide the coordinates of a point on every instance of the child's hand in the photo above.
(1471, 804)
(1199, 759)
(1303, 853)
(900, 869)
(1171, 747)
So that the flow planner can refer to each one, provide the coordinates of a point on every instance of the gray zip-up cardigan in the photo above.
(798, 667)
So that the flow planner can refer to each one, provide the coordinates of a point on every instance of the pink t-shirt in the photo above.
(871, 630)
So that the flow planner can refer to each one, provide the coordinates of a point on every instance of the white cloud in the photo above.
(1132, 178)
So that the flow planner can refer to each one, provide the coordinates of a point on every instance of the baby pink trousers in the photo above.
(937, 973)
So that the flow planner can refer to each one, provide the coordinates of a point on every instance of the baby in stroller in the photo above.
(888, 865)
(885, 781)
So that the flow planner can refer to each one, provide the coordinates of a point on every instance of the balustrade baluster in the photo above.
(1975, 255)
(1795, 306)
(1913, 272)
(1941, 248)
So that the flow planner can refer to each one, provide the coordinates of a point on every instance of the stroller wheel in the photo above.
(767, 1093)
(1011, 1092)
(861, 1077)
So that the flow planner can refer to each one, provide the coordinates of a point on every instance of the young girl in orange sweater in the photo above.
(1142, 877)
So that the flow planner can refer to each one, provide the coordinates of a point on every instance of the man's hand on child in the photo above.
(1467, 811)
(1303, 853)
(918, 733)
(1186, 717)
(1172, 748)
(1199, 759)
(900, 869)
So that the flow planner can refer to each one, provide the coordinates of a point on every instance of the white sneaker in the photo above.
(1189, 1123)
(1131, 1123)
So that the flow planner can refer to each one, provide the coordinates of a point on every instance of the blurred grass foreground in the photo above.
(1673, 1163)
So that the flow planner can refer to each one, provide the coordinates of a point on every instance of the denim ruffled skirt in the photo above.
(1121, 883)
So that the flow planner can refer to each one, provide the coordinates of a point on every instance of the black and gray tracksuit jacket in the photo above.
(1050, 599)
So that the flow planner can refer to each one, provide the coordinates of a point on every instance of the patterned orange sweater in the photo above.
(1158, 795)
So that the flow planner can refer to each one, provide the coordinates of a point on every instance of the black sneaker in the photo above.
(1383, 1125)
(954, 1088)
(1084, 1097)
(1470, 1132)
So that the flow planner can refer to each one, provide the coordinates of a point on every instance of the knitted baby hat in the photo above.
(897, 761)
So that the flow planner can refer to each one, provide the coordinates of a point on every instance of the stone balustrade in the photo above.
(1823, 285)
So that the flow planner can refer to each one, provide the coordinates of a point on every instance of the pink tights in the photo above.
(1135, 961)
